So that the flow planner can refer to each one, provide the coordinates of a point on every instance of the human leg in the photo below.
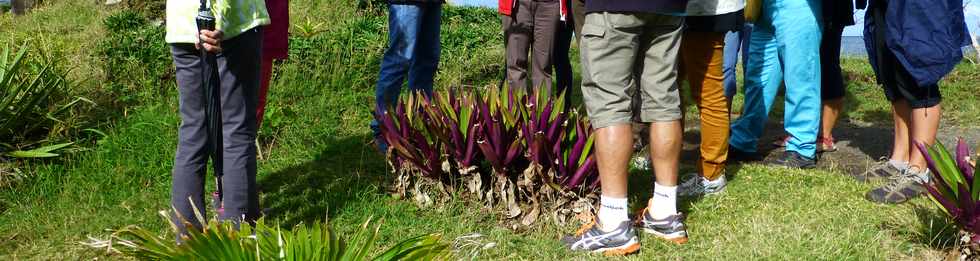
(798, 32)
(610, 60)
(660, 106)
(545, 22)
(607, 101)
(403, 21)
(562, 64)
(832, 85)
(925, 124)
(763, 76)
(187, 188)
(427, 48)
(733, 43)
(518, 33)
(578, 18)
(238, 68)
(702, 58)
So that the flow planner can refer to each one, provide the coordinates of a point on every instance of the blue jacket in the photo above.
(926, 36)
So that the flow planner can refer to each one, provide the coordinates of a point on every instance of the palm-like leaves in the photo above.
(29, 86)
(318, 241)
(955, 188)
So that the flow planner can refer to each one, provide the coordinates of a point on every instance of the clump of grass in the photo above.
(136, 59)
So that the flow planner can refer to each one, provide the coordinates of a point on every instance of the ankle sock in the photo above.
(612, 212)
(922, 174)
(901, 165)
(664, 201)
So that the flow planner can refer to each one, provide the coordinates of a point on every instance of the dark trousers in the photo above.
(530, 28)
(562, 64)
(578, 17)
(238, 71)
(832, 79)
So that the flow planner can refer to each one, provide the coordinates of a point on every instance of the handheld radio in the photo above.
(205, 20)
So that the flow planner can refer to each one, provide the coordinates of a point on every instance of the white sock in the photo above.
(664, 201)
(923, 174)
(612, 212)
(901, 165)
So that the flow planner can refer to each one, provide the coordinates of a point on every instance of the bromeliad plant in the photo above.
(955, 189)
(524, 152)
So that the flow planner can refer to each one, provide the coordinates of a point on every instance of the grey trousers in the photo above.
(238, 70)
(530, 27)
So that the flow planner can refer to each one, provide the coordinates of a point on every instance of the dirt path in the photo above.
(859, 144)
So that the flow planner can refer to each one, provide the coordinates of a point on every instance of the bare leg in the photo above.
(901, 113)
(925, 124)
(831, 110)
(614, 145)
(665, 151)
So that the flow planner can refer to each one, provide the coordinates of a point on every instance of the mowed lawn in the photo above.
(317, 162)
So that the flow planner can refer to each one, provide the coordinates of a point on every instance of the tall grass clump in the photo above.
(136, 60)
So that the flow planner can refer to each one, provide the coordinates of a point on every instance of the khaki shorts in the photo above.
(622, 50)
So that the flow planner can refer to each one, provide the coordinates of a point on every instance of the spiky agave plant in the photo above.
(318, 241)
(955, 188)
(414, 147)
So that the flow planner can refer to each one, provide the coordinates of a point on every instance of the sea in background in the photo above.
(852, 46)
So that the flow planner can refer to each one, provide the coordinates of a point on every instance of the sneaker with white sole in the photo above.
(671, 228)
(618, 242)
(701, 186)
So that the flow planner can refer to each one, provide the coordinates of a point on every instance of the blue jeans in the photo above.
(735, 42)
(785, 46)
(413, 36)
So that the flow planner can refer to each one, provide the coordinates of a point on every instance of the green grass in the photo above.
(317, 161)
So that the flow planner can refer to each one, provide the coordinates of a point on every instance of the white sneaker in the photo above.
(700, 186)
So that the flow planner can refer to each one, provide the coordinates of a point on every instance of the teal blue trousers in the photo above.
(785, 46)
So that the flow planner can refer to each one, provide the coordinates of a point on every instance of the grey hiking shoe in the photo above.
(618, 242)
(880, 170)
(899, 188)
(697, 185)
(671, 228)
(792, 159)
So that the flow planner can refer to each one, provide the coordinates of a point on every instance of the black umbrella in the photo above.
(212, 107)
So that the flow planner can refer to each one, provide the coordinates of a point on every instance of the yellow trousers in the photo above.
(701, 59)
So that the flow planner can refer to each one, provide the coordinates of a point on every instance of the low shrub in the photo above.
(526, 153)
(135, 58)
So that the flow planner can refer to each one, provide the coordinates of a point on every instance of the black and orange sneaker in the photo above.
(671, 228)
(617, 242)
